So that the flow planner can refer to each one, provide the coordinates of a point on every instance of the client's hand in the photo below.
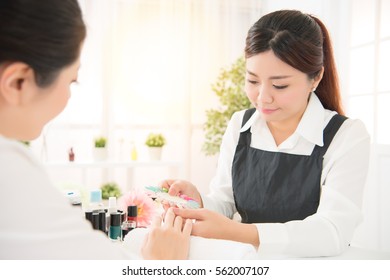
(178, 187)
(208, 223)
(167, 241)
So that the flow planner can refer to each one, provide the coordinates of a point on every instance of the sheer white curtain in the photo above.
(148, 65)
(158, 55)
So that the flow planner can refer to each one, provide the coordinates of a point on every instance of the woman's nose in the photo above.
(264, 96)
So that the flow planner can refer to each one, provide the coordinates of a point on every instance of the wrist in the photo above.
(246, 233)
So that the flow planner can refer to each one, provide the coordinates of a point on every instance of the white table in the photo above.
(351, 253)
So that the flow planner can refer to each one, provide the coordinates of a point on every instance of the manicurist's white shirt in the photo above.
(37, 221)
(329, 231)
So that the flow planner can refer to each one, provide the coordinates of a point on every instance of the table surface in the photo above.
(352, 253)
(355, 253)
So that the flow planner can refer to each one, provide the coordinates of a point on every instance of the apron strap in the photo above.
(330, 131)
(248, 114)
(245, 136)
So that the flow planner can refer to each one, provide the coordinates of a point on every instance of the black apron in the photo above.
(274, 187)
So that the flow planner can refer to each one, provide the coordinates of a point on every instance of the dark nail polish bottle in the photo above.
(115, 227)
(88, 216)
(95, 220)
(131, 220)
(102, 221)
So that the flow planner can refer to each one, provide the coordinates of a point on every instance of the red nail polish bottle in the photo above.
(131, 220)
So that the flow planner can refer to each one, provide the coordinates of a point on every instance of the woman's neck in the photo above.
(282, 130)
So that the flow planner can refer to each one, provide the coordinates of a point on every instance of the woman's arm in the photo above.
(210, 224)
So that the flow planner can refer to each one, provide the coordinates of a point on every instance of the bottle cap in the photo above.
(96, 196)
(132, 211)
(115, 219)
(111, 202)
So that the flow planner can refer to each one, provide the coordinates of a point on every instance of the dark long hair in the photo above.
(45, 34)
(303, 42)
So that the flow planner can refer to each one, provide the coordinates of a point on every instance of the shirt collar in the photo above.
(249, 123)
(310, 127)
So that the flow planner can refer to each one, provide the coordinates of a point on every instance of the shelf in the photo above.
(112, 164)
(129, 166)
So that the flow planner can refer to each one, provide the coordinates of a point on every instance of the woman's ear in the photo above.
(13, 77)
(317, 79)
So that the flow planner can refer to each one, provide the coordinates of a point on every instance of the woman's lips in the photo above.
(268, 111)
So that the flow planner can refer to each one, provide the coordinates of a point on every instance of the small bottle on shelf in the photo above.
(133, 151)
(71, 154)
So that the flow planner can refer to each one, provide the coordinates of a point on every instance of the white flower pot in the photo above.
(100, 154)
(155, 153)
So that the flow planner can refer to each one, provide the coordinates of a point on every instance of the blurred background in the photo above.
(157, 66)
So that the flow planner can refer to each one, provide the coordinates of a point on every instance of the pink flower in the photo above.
(146, 206)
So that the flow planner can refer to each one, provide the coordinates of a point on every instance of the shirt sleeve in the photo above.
(221, 197)
(37, 221)
(329, 231)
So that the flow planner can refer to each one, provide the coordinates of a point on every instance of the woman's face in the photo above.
(278, 91)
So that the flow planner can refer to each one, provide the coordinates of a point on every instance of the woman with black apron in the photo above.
(293, 166)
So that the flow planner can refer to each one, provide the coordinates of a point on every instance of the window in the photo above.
(368, 94)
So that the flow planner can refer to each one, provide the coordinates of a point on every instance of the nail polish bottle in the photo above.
(115, 232)
(88, 215)
(95, 200)
(112, 208)
(122, 216)
(95, 220)
(132, 213)
(131, 221)
(102, 221)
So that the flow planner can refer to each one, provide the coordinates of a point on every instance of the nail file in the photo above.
(181, 201)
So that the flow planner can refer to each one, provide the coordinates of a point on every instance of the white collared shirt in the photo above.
(37, 221)
(345, 166)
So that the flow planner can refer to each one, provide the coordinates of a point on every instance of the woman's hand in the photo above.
(210, 224)
(178, 187)
(168, 241)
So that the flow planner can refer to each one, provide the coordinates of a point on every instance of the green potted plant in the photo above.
(229, 88)
(155, 143)
(110, 190)
(100, 148)
(27, 143)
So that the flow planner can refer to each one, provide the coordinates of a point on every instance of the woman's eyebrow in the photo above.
(278, 77)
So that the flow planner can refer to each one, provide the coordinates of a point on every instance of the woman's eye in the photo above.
(253, 82)
(280, 87)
